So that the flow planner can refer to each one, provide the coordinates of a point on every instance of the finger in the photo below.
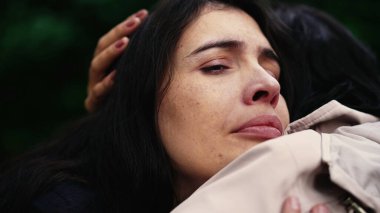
(125, 28)
(99, 92)
(320, 208)
(102, 88)
(104, 60)
(291, 205)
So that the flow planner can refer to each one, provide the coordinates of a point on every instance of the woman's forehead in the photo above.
(220, 24)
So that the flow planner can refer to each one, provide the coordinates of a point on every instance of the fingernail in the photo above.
(109, 82)
(141, 13)
(295, 203)
(112, 75)
(119, 44)
(320, 209)
(131, 22)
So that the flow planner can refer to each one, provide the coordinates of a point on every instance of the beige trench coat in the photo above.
(331, 153)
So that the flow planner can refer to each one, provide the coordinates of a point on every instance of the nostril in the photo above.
(260, 94)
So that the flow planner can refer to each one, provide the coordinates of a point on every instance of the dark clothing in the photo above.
(67, 198)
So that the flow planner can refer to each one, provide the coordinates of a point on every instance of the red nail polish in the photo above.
(140, 14)
(131, 23)
(119, 44)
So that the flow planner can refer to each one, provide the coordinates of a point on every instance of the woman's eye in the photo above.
(215, 69)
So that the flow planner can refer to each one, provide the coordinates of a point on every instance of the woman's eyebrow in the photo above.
(225, 44)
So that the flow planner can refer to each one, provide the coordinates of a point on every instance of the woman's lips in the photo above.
(261, 127)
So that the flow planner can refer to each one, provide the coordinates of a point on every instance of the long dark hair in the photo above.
(116, 152)
(330, 63)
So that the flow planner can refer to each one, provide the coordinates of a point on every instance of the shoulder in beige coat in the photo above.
(329, 156)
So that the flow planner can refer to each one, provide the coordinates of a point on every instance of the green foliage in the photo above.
(46, 47)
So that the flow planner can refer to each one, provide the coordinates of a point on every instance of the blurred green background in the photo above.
(46, 47)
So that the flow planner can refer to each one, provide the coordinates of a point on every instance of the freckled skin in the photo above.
(200, 110)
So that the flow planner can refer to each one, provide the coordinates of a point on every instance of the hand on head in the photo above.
(109, 47)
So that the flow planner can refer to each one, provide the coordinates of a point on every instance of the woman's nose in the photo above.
(262, 88)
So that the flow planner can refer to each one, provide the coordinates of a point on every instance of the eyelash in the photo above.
(214, 69)
(272, 55)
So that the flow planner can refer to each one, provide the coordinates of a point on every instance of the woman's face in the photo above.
(224, 96)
